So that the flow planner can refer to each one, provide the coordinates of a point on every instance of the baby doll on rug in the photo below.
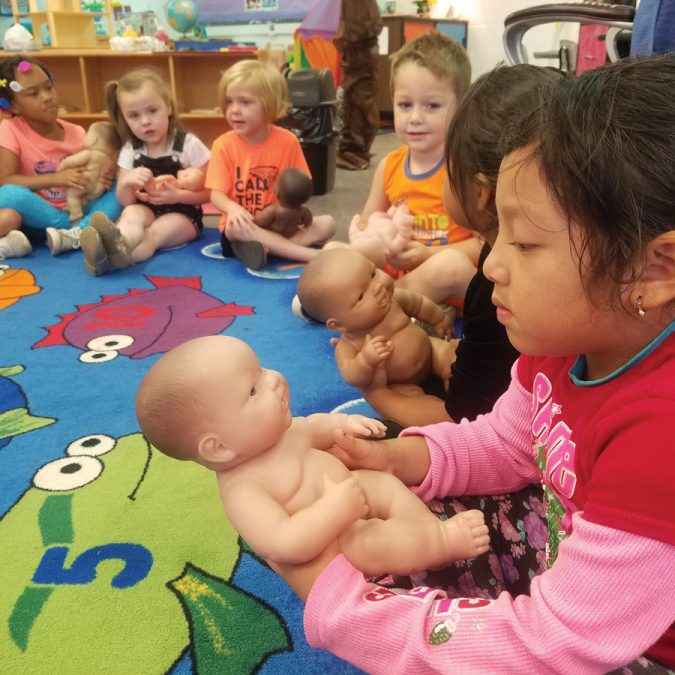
(209, 401)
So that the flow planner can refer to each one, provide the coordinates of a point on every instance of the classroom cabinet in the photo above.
(80, 77)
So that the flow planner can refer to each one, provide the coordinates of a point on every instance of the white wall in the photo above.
(486, 27)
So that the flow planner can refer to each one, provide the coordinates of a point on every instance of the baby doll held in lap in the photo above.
(209, 401)
(385, 235)
(293, 188)
(101, 145)
(347, 292)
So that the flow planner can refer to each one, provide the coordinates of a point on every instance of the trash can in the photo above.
(313, 118)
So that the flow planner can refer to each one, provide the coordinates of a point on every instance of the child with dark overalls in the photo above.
(160, 183)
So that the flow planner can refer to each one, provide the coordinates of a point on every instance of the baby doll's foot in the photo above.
(95, 258)
(251, 253)
(466, 535)
(114, 243)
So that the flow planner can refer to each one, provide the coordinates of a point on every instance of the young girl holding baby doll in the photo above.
(33, 141)
(156, 215)
(246, 162)
(584, 273)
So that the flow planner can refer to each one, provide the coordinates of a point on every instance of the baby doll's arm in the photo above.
(420, 307)
(357, 366)
(321, 427)
(78, 159)
(265, 217)
(277, 536)
(306, 217)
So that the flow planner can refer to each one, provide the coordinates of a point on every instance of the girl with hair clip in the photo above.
(33, 142)
(584, 282)
(246, 163)
(158, 214)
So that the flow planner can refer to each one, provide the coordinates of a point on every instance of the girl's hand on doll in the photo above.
(161, 194)
(359, 453)
(137, 178)
(70, 178)
(107, 179)
(413, 256)
(366, 427)
(345, 499)
(444, 328)
(376, 349)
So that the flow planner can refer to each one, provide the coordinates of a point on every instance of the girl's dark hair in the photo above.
(606, 143)
(8, 67)
(490, 113)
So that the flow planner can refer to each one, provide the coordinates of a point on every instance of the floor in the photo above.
(350, 190)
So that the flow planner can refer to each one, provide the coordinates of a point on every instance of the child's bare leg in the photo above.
(402, 536)
(9, 220)
(132, 223)
(442, 356)
(444, 275)
(322, 229)
(171, 229)
(298, 246)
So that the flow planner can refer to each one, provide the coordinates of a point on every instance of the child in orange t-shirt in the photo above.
(246, 162)
(430, 75)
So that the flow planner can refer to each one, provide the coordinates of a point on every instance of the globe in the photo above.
(183, 15)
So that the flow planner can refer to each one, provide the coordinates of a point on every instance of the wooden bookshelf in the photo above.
(80, 77)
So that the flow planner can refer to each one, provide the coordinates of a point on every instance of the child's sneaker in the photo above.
(95, 257)
(59, 240)
(114, 243)
(297, 309)
(251, 253)
(14, 245)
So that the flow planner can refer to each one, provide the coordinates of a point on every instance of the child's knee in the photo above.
(9, 220)
(325, 225)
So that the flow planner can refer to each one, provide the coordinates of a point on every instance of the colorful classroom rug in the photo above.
(114, 558)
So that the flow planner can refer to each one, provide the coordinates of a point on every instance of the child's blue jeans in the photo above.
(38, 214)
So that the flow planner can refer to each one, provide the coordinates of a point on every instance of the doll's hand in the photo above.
(410, 258)
(70, 178)
(345, 500)
(360, 425)
(358, 453)
(376, 349)
(137, 178)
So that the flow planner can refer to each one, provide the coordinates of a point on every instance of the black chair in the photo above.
(619, 18)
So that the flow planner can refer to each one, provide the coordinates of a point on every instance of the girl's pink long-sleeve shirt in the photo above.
(609, 596)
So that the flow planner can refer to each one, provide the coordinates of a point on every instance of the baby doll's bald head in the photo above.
(171, 405)
(294, 187)
(323, 275)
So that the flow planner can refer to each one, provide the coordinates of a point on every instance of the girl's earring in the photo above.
(637, 303)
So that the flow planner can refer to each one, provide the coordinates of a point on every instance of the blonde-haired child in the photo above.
(429, 76)
(156, 216)
(247, 161)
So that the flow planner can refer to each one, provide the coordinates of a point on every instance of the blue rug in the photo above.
(114, 558)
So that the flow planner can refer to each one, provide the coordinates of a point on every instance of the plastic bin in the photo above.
(313, 118)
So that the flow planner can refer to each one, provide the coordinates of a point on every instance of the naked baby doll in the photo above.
(190, 178)
(99, 158)
(293, 188)
(385, 234)
(346, 291)
(209, 401)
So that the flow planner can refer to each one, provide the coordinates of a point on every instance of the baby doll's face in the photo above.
(249, 404)
(358, 294)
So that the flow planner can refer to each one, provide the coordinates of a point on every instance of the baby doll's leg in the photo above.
(401, 534)
(74, 204)
(444, 275)
(442, 356)
(167, 231)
